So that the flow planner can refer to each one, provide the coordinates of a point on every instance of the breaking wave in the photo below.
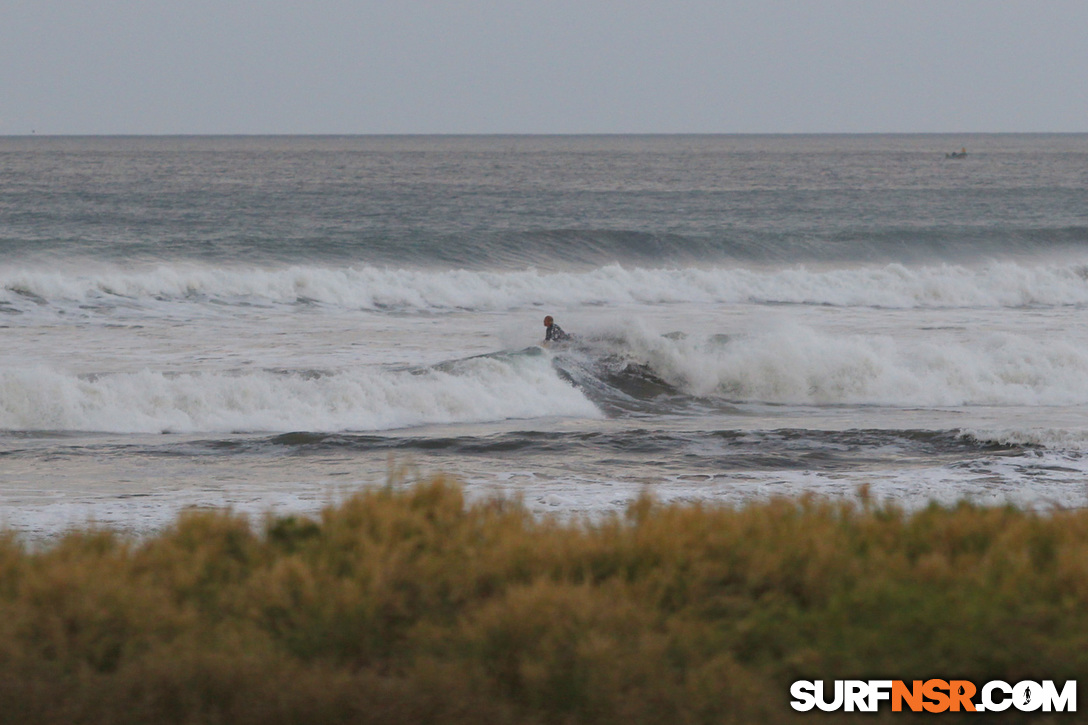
(475, 390)
(622, 370)
(795, 365)
(998, 285)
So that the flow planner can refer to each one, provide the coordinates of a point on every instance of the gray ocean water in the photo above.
(269, 323)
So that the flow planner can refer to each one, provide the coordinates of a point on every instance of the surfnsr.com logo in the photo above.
(934, 696)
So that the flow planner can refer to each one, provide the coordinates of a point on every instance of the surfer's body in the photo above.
(553, 332)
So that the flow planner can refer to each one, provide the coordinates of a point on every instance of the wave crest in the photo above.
(794, 365)
(999, 285)
(475, 390)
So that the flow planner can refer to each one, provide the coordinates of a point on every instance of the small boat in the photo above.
(961, 154)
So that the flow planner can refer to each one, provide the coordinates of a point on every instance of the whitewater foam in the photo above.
(1052, 438)
(786, 363)
(478, 390)
(1000, 285)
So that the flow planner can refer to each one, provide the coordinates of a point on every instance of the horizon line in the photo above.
(516, 134)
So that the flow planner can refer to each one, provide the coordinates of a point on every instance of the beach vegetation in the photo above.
(405, 604)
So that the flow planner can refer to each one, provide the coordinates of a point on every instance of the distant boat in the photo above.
(961, 154)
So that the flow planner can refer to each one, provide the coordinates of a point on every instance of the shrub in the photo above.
(413, 607)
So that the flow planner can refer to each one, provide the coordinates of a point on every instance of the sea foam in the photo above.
(789, 363)
(478, 390)
(998, 284)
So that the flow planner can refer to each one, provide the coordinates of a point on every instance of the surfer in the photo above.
(553, 332)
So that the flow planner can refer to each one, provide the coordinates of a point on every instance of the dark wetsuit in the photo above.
(555, 333)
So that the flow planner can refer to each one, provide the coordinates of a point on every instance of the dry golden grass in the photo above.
(412, 607)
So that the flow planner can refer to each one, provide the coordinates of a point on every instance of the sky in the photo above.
(542, 66)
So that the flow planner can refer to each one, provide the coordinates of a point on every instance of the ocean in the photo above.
(271, 323)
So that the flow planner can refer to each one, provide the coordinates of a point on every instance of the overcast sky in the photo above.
(542, 66)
